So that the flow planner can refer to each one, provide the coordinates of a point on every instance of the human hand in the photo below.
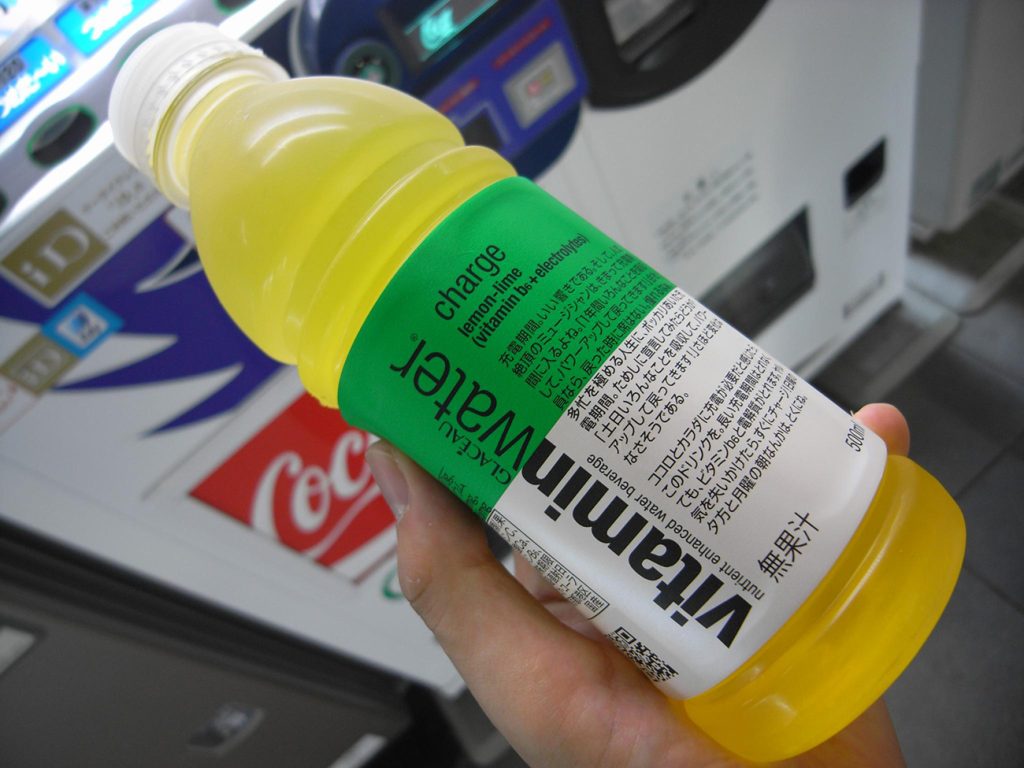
(560, 692)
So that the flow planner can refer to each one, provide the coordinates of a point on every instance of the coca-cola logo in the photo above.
(304, 481)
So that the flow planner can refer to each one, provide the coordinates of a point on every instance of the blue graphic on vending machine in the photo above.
(153, 286)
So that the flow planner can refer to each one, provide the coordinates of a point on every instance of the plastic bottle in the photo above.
(347, 230)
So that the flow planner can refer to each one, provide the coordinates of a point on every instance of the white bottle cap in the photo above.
(158, 72)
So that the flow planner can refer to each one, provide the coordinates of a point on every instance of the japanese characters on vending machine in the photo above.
(138, 427)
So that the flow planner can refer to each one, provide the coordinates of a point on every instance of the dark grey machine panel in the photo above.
(98, 671)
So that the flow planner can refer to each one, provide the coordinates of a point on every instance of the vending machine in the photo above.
(139, 430)
(970, 111)
(757, 153)
(969, 146)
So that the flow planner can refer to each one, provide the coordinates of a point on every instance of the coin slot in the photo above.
(864, 174)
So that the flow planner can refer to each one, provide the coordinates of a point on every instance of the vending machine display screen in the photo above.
(88, 24)
(431, 30)
(27, 76)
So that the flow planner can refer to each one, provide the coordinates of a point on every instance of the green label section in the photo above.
(488, 333)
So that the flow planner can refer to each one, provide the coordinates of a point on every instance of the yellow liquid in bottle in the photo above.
(856, 632)
(308, 195)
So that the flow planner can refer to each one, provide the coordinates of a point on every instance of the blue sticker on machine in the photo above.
(81, 325)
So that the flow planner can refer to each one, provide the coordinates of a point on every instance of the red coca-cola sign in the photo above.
(303, 480)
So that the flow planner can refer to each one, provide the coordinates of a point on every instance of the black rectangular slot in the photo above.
(864, 174)
(768, 281)
(481, 130)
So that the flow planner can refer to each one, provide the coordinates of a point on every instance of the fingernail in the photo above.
(389, 478)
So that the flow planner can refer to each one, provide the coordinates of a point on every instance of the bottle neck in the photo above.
(182, 122)
(411, 208)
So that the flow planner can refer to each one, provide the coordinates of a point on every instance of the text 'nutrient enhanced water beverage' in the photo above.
(692, 496)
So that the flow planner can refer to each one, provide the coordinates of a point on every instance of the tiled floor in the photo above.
(961, 702)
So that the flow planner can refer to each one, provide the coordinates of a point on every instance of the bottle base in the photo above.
(856, 632)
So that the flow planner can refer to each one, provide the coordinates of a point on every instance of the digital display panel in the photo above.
(27, 76)
(88, 24)
(441, 23)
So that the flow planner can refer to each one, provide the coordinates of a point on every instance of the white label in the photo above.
(703, 488)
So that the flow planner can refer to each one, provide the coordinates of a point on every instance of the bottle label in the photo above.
(686, 491)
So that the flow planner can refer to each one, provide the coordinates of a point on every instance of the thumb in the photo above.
(889, 424)
(489, 625)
